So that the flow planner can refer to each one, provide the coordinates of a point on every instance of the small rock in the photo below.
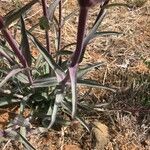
(101, 135)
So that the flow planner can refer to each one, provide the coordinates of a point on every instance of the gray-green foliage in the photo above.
(42, 83)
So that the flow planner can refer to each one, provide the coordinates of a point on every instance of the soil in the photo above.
(125, 123)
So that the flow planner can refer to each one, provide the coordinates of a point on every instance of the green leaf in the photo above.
(73, 79)
(44, 23)
(68, 107)
(116, 4)
(38, 61)
(17, 13)
(51, 9)
(46, 79)
(66, 46)
(91, 33)
(7, 97)
(6, 55)
(101, 33)
(64, 52)
(83, 123)
(22, 78)
(88, 68)
(7, 100)
(7, 50)
(66, 18)
(147, 62)
(106, 33)
(23, 132)
(59, 72)
(10, 74)
(93, 30)
(94, 84)
(25, 48)
(58, 100)
(26, 142)
(45, 82)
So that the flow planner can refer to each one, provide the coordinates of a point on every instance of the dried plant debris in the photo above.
(71, 147)
(127, 66)
(136, 3)
(101, 135)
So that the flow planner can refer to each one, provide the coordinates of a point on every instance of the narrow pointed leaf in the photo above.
(106, 33)
(91, 33)
(102, 33)
(116, 4)
(94, 84)
(10, 74)
(85, 70)
(51, 9)
(7, 50)
(25, 48)
(8, 100)
(38, 61)
(22, 78)
(23, 132)
(14, 45)
(66, 18)
(54, 115)
(68, 107)
(6, 55)
(26, 142)
(58, 100)
(9, 54)
(83, 123)
(17, 14)
(64, 52)
(46, 82)
(73, 79)
(59, 72)
(66, 46)
(93, 30)
(46, 79)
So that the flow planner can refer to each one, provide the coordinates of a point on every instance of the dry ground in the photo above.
(128, 114)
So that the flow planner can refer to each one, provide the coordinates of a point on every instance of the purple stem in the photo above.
(1, 23)
(80, 36)
(98, 16)
(14, 46)
(44, 4)
(11, 41)
(76, 56)
(59, 28)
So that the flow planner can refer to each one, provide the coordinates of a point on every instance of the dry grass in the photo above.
(128, 118)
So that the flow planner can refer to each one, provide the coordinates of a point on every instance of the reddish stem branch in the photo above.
(44, 5)
(11, 41)
(14, 46)
(80, 36)
(60, 22)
